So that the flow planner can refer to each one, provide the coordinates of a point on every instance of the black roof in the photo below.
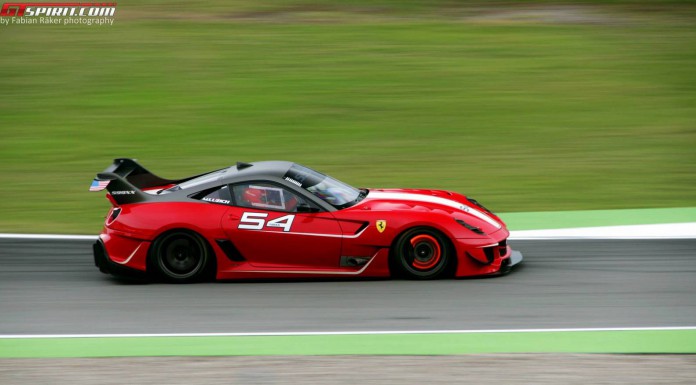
(266, 170)
(275, 168)
(129, 179)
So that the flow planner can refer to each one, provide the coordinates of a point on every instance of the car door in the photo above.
(268, 231)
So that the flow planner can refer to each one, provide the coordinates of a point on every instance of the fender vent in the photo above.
(361, 228)
(353, 261)
(470, 227)
(230, 250)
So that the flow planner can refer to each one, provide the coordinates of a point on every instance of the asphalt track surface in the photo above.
(53, 287)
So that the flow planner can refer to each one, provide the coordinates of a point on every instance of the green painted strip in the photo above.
(643, 341)
(593, 218)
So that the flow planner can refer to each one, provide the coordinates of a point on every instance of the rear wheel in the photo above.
(422, 253)
(180, 256)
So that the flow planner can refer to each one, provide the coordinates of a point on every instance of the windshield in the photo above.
(334, 192)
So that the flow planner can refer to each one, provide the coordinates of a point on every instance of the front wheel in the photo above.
(180, 257)
(422, 253)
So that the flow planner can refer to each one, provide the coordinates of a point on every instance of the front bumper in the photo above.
(509, 263)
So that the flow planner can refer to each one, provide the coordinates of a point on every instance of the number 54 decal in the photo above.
(256, 221)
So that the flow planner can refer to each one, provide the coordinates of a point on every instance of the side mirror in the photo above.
(305, 208)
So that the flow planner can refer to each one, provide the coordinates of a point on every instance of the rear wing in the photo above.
(125, 179)
(136, 174)
(120, 189)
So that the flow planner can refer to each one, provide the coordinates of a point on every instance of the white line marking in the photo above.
(344, 333)
(50, 236)
(659, 231)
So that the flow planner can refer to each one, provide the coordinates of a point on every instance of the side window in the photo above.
(216, 195)
(266, 196)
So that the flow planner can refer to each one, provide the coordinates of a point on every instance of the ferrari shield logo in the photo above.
(381, 225)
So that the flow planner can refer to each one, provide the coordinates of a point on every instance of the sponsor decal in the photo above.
(287, 178)
(381, 225)
(58, 13)
(216, 200)
(124, 192)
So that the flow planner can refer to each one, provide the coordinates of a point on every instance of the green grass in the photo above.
(523, 115)
(633, 341)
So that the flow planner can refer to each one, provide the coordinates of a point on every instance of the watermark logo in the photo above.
(58, 13)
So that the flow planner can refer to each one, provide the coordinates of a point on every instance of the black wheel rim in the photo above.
(181, 255)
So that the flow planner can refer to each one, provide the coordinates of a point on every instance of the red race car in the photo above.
(283, 220)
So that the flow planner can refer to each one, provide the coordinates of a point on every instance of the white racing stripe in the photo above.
(343, 333)
(431, 199)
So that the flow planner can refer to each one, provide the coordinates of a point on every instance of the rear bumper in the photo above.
(107, 266)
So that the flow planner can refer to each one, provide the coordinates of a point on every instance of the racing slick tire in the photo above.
(181, 256)
(422, 253)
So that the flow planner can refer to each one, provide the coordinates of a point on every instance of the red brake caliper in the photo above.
(434, 257)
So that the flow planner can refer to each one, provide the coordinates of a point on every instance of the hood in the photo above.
(458, 205)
